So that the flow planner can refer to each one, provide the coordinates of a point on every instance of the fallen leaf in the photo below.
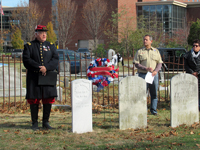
(166, 134)
(191, 132)
(173, 133)
(174, 143)
(149, 139)
(28, 139)
(138, 131)
(17, 132)
(198, 145)
(158, 136)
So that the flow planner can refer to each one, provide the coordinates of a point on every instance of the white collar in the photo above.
(195, 55)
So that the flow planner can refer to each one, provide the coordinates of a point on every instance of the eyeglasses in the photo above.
(195, 45)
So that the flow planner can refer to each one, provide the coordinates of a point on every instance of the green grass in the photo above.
(16, 133)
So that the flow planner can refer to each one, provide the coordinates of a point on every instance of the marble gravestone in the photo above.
(10, 82)
(59, 93)
(132, 103)
(111, 53)
(184, 100)
(81, 106)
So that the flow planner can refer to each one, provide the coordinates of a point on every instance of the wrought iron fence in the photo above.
(13, 81)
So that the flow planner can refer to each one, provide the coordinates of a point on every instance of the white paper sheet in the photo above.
(149, 78)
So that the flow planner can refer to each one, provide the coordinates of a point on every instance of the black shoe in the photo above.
(47, 126)
(35, 126)
(155, 114)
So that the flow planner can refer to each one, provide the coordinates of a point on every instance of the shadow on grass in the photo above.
(22, 125)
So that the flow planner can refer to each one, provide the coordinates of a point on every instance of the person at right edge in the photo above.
(192, 62)
(148, 59)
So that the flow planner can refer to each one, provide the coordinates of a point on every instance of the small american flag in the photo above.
(1, 9)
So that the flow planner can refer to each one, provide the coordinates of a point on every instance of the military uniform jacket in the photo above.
(192, 64)
(37, 54)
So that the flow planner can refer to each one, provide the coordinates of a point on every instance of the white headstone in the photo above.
(111, 53)
(184, 100)
(59, 93)
(161, 76)
(10, 82)
(132, 103)
(81, 106)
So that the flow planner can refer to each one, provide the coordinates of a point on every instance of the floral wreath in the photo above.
(101, 71)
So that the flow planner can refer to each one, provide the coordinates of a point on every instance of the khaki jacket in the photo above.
(147, 58)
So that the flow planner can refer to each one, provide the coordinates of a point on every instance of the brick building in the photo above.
(173, 14)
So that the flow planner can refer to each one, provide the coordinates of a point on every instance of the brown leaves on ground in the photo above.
(28, 139)
(14, 107)
(150, 139)
(6, 131)
(62, 126)
(198, 145)
(177, 144)
(42, 132)
(167, 119)
(195, 125)
(17, 132)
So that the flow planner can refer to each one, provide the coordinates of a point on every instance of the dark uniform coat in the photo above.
(37, 54)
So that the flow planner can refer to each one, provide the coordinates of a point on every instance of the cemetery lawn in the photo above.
(15, 132)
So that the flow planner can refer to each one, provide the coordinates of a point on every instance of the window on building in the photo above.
(172, 17)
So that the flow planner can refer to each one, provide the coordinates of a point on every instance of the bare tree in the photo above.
(65, 11)
(122, 26)
(94, 15)
(28, 17)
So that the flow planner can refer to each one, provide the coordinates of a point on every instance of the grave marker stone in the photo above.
(132, 103)
(81, 106)
(64, 66)
(84, 65)
(11, 82)
(59, 93)
(111, 53)
(184, 100)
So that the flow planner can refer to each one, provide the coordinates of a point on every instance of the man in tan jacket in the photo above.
(148, 59)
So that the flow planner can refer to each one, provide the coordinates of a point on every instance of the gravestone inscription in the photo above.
(132, 103)
(81, 106)
(184, 100)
